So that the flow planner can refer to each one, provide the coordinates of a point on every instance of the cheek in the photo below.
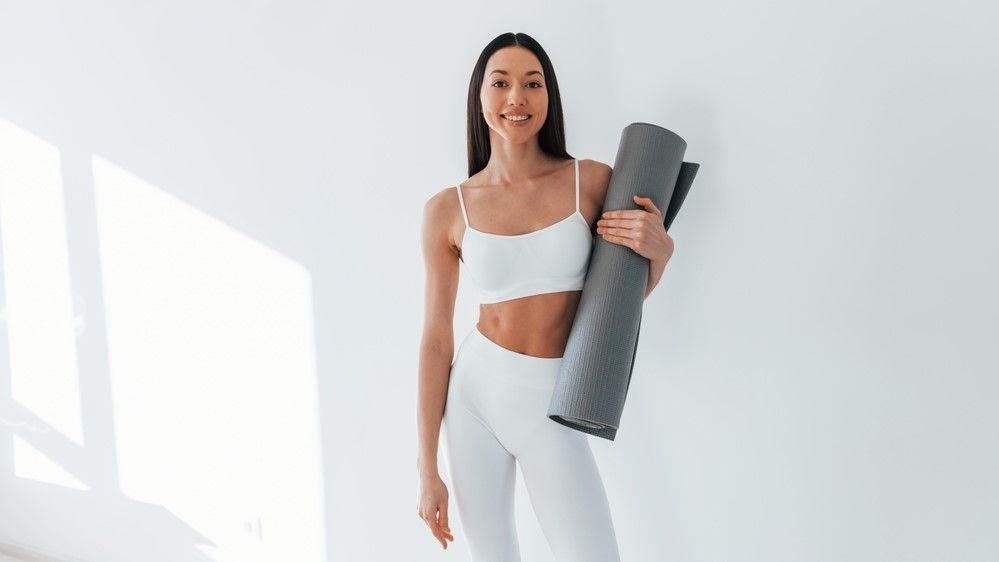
(490, 100)
(542, 104)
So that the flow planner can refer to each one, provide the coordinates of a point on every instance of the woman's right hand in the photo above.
(432, 508)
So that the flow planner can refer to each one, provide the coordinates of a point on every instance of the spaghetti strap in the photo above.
(577, 185)
(461, 202)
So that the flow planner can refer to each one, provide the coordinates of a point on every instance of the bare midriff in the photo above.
(536, 325)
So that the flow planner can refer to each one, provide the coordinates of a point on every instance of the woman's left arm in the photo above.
(643, 231)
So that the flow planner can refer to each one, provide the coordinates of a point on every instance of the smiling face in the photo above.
(514, 87)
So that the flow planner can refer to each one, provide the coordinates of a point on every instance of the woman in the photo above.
(492, 400)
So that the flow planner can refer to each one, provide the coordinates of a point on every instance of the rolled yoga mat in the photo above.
(595, 372)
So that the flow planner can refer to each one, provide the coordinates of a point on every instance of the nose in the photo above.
(516, 96)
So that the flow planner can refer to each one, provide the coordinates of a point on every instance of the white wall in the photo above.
(212, 280)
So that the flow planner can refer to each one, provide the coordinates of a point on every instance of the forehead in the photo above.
(514, 60)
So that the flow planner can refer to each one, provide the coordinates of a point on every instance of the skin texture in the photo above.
(520, 190)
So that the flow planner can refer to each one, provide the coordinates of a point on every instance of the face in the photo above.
(514, 85)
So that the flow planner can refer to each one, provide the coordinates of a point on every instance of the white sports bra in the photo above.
(511, 266)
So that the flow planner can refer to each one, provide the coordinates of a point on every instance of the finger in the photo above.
(442, 536)
(436, 532)
(648, 204)
(623, 214)
(443, 519)
(443, 527)
(440, 529)
(626, 223)
(621, 232)
(431, 522)
(618, 240)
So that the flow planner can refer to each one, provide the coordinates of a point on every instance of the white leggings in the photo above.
(495, 414)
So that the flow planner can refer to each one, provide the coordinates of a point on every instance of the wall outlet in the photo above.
(250, 522)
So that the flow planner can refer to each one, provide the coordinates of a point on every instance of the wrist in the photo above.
(426, 469)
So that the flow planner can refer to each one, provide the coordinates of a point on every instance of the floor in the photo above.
(11, 553)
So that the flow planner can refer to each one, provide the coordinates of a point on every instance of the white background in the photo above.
(212, 280)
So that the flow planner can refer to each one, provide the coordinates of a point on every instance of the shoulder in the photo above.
(441, 203)
(440, 212)
(594, 168)
(594, 176)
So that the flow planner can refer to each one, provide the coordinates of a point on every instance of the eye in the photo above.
(504, 82)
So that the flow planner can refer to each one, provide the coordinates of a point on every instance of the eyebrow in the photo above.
(528, 73)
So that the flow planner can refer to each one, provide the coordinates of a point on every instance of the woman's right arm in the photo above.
(437, 344)
(436, 352)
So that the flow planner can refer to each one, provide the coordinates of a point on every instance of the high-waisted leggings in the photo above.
(496, 414)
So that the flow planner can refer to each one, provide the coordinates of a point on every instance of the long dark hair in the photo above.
(551, 137)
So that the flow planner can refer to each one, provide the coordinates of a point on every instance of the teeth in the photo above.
(516, 117)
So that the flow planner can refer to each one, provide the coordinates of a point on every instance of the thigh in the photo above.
(482, 474)
(568, 496)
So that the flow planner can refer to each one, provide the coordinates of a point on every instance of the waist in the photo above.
(538, 326)
(486, 358)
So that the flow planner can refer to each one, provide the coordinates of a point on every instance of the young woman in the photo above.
(523, 225)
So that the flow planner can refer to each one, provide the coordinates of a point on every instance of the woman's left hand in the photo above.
(642, 230)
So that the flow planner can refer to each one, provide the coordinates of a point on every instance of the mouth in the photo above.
(518, 118)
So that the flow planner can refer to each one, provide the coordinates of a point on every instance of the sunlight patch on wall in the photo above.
(213, 376)
(42, 468)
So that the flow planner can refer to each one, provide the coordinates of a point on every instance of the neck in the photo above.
(514, 164)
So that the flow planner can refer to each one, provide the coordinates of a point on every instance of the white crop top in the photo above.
(511, 266)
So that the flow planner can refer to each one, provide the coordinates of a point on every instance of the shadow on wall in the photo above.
(102, 517)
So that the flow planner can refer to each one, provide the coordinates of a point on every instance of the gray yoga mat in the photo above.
(599, 356)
